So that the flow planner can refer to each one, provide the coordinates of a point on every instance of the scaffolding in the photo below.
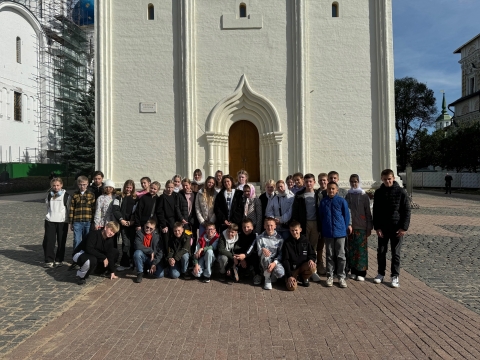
(62, 73)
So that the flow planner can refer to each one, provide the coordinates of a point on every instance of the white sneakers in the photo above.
(268, 281)
(342, 283)
(395, 282)
(378, 279)
(330, 281)
(360, 278)
(315, 277)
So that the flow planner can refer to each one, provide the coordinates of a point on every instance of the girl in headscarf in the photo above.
(357, 248)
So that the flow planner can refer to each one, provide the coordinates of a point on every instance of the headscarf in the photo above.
(359, 189)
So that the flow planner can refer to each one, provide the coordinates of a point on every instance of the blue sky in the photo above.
(425, 34)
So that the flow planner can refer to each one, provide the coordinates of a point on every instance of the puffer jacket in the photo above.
(335, 216)
(391, 208)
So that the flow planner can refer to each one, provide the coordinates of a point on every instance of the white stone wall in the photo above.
(17, 77)
(319, 89)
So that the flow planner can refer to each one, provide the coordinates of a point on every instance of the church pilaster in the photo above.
(299, 73)
(103, 103)
(385, 112)
(188, 88)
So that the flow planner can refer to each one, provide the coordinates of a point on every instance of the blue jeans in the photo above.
(206, 262)
(142, 261)
(179, 267)
(80, 232)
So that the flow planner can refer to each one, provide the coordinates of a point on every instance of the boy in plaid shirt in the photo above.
(82, 209)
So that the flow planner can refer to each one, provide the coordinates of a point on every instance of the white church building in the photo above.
(269, 86)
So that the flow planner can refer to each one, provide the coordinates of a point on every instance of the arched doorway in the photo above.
(243, 149)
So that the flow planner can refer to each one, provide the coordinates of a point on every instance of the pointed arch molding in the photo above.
(245, 104)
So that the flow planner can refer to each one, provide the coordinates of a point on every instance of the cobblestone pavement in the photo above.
(176, 319)
(30, 295)
(442, 246)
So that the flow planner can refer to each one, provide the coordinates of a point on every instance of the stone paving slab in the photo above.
(177, 319)
(30, 296)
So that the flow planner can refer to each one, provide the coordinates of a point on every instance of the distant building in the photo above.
(45, 58)
(444, 119)
(467, 108)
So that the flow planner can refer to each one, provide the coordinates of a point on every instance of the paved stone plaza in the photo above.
(434, 314)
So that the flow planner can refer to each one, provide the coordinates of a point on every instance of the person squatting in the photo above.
(191, 227)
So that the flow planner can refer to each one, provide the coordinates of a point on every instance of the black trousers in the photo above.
(395, 247)
(448, 188)
(55, 232)
(96, 264)
(128, 241)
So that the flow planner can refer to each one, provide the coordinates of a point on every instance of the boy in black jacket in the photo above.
(391, 218)
(97, 248)
(298, 257)
(178, 252)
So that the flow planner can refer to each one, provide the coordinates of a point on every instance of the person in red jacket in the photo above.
(205, 253)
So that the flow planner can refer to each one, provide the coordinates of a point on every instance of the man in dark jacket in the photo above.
(178, 252)
(391, 218)
(304, 210)
(97, 248)
(298, 257)
(148, 255)
(96, 186)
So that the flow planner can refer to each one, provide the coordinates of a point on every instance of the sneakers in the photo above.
(360, 278)
(268, 284)
(81, 281)
(49, 265)
(139, 278)
(58, 264)
(342, 283)
(122, 268)
(378, 279)
(305, 282)
(257, 280)
(186, 276)
(352, 276)
(330, 281)
(268, 281)
(74, 266)
(205, 279)
(315, 277)
(395, 282)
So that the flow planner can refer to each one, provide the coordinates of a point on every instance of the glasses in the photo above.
(149, 228)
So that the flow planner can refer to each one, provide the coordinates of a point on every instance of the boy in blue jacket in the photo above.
(335, 219)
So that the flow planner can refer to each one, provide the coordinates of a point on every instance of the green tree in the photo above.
(426, 149)
(79, 139)
(414, 111)
(461, 149)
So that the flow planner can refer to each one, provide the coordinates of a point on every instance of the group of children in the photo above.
(192, 225)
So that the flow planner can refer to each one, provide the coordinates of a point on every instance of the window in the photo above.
(151, 12)
(335, 9)
(471, 86)
(17, 106)
(19, 50)
(40, 8)
(243, 10)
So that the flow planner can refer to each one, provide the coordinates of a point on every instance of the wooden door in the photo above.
(243, 150)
